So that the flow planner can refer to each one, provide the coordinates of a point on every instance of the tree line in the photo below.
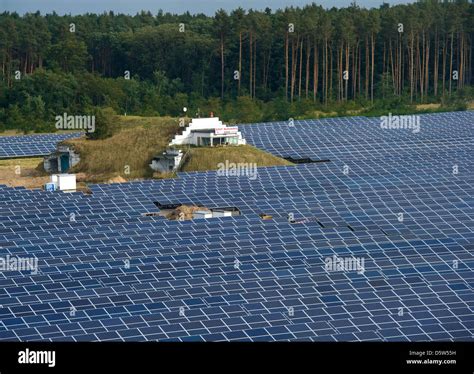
(248, 65)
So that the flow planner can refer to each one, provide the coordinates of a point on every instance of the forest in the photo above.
(243, 65)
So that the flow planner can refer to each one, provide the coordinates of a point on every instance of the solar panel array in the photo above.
(355, 138)
(32, 145)
(106, 271)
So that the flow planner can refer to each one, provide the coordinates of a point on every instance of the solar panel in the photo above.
(400, 220)
(32, 145)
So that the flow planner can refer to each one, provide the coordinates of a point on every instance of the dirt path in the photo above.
(22, 172)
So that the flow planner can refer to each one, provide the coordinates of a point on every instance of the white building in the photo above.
(62, 182)
(208, 132)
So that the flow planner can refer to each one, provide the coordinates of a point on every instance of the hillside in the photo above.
(127, 153)
(201, 159)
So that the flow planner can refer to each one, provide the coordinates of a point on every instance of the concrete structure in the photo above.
(62, 182)
(216, 212)
(61, 160)
(209, 132)
(200, 214)
(169, 161)
(221, 213)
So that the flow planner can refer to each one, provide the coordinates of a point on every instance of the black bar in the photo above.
(246, 357)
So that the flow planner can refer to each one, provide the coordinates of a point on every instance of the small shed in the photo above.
(61, 160)
(169, 161)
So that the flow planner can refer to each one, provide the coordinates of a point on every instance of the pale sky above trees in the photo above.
(173, 6)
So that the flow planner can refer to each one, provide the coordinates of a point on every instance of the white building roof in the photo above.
(206, 125)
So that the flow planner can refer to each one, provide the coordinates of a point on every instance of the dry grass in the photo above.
(18, 132)
(127, 154)
(208, 158)
(29, 173)
(26, 172)
(319, 114)
(183, 212)
(167, 175)
(355, 112)
(11, 133)
(427, 106)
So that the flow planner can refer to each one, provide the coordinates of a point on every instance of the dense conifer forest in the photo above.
(245, 65)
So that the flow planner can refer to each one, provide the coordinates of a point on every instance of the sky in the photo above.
(174, 6)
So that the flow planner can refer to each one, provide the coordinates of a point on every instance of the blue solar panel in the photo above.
(355, 138)
(113, 273)
(32, 145)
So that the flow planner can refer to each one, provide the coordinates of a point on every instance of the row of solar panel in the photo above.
(423, 265)
(32, 145)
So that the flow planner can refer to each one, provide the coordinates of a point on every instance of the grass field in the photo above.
(28, 173)
(127, 154)
(18, 132)
(25, 172)
(201, 159)
(11, 133)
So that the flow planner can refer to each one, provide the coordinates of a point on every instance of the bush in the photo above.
(105, 123)
(244, 110)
